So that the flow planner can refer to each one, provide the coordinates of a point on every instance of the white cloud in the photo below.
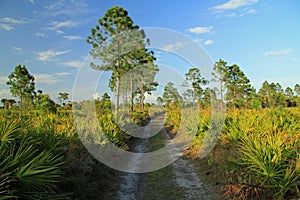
(12, 21)
(172, 47)
(54, 5)
(56, 25)
(59, 32)
(68, 23)
(8, 23)
(67, 7)
(5, 93)
(96, 96)
(17, 48)
(150, 98)
(31, 1)
(234, 4)
(208, 42)
(231, 15)
(46, 78)
(75, 64)
(277, 53)
(50, 54)
(197, 40)
(199, 29)
(63, 73)
(251, 11)
(50, 78)
(3, 80)
(73, 37)
(39, 34)
(6, 27)
(295, 59)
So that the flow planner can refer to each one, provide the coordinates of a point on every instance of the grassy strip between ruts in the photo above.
(160, 184)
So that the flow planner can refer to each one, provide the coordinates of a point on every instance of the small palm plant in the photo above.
(26, 171)
(268, 153)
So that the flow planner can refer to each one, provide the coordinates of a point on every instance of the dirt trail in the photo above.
(177, 181)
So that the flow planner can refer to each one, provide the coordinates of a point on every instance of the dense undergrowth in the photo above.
(42, 155)
(257, 155)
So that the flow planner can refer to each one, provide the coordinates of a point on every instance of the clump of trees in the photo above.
(22, 85)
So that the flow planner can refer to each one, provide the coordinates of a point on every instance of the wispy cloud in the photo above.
(9, 24)
(61, 24)
(69, 7)
(3, 80)
(295, 59)
(51, 78)
(50, 55)
(75, 64)
(200, 29)
(197, 40)
(278, 53)
(56, 25)
(172, 47)
(208, 42)
(12, 20)
(46, 78)
(237, 13)
(73, 37)
(6, 27)
(234, 4)
(5, 93)
(17, 48)
(55, 5)
(250, 11)
(63, 73)
(31, 1)
(39, 34)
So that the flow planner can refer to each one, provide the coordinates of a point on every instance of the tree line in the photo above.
(231, 86)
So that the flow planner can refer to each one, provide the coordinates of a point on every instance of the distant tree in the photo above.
(45, 103)
(106, 97)
(219, 76)
(207, 97)
(195, 79)
(264, 94)
(188, 95)
(63, 97)
(297, 90)
(238, 86)
(143, 79)
(171, 94)
(104, 105)
(289, 92)
(290, 101)
(22, 85)
(279, 97)
(271, 95)
(159, 101)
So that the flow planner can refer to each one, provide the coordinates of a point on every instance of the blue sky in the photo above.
(49, 37)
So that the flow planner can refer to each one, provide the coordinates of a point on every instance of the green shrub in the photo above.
(26, 171)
